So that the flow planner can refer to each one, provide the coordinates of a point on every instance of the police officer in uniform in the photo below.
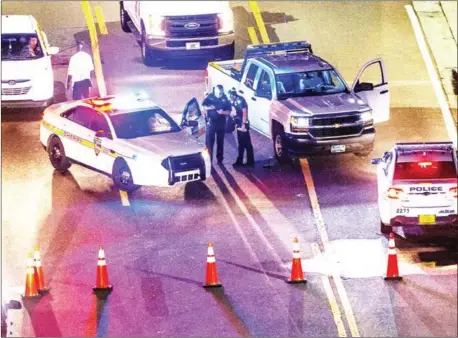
(243, 129)
(216, 107)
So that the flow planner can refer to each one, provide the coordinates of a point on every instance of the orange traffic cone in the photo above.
(39, 271)
(392, 272)
(102, 283)
(211, 276)
(31, 290)
(297, 276)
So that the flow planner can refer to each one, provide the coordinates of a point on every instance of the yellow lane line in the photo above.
(253, 35)
(100, 20)
(321, 227)
(259, 21)
(124, 198)
(331, 298)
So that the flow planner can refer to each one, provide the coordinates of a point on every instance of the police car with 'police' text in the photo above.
(417, 186)
(129, 138)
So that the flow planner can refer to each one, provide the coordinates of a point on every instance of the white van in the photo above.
(27, 74)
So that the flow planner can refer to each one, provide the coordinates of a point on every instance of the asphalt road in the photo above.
(156, 247)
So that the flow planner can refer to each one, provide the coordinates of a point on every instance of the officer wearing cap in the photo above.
(216, 108)
(79, 73)
(243, 129)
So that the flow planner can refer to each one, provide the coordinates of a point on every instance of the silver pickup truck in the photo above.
(302, 103)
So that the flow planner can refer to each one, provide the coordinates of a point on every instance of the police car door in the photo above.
(103, 144)
(79, 138)
(193, 121)
(372, 86)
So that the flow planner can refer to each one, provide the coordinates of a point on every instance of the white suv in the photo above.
(27, 75)
(417, 186)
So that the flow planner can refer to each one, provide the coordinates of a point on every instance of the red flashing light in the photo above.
(454, 192)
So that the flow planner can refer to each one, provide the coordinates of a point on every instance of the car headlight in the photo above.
(299, 124)
(205, 153)
(226, 22)
(367, 117)
(157, 26)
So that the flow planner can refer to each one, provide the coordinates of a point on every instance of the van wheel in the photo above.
(57, 157)
(280, 149)
(124, 18)
(122, 176)
(385, 229)
(147, 53)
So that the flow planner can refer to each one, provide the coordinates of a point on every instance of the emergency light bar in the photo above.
(424, 146)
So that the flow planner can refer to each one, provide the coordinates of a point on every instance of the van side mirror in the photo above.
(53, 50)
(364, 86)
(376, 160)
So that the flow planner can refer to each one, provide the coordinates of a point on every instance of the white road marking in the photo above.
(446, 113)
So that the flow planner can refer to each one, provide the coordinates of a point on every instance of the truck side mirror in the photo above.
(364, 86)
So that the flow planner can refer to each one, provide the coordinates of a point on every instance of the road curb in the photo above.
(436, 18)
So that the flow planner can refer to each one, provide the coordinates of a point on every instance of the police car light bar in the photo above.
(100, 101)
(424, 146)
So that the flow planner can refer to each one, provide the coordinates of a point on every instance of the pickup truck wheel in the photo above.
(57, 157)
(122, 176)
(280, 149)
(147, 53)
(124, 18)
(385, 229)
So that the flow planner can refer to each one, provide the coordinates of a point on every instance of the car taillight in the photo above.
(453, 191)
(394, 193)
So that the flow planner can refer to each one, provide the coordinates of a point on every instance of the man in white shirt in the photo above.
(79, 73)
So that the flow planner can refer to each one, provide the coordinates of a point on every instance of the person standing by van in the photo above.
(79, 73)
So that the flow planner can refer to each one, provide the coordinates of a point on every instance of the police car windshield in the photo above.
(21, 47)
(425, 170)
(128, 125)
(313, 83)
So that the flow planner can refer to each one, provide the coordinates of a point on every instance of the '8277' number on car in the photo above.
(402, 211)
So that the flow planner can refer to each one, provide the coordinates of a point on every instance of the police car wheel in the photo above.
(57, 155)
(385, 229)
(122, 176)
(280, 150)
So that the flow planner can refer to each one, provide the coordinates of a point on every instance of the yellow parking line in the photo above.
(325, 241)
(259, 21)
(124, 198)
(253, 36)
(100, 20)
(331, 298)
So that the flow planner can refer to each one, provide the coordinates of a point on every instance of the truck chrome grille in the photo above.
(16, 91)
(331, 121)
(175, 26)
(335, 132)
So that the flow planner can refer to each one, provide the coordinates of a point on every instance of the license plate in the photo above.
(340, 148)
(192, 45)
(427, 219)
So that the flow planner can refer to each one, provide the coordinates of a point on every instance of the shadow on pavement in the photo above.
(262, 272)
(198, 192)
(229, 312)
(97, 324)
(42, 317)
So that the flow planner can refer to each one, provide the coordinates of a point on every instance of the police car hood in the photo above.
(164, 145)
(323, 104)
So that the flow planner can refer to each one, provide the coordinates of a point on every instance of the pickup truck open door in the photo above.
(376, 92)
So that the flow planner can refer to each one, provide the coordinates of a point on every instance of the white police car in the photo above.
(131, 139)
(417, 186)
